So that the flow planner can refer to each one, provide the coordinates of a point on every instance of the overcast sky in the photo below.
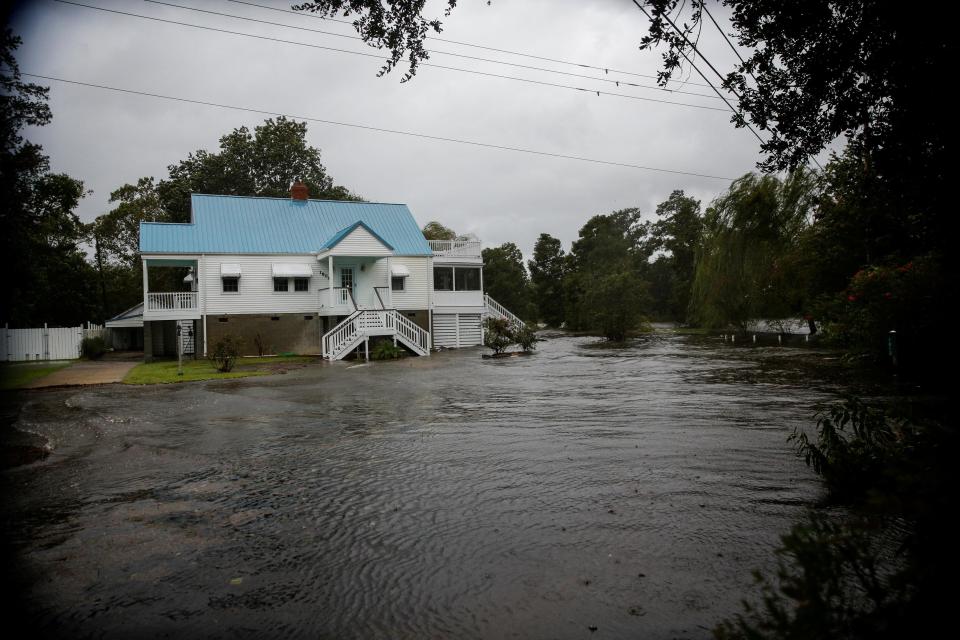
(108, 139)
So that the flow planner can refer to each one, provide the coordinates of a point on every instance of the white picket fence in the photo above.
(59, 343)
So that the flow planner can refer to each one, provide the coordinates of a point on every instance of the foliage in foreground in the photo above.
(225, 353)
(885, 570)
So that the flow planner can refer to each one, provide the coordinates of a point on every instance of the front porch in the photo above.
(357, 283)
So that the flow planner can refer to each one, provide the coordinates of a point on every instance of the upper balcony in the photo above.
(176, 305)
(456, 250)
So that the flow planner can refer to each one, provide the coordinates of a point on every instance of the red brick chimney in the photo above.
(299, 191)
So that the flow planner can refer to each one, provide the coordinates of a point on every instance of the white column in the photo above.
(146, 285)
(390, 282)
(330, 279)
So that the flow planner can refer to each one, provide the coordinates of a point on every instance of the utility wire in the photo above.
(722, 32)
(697, 69)
(606, 70)
(625, 83)
(411, 134)
(743, 62)
(372, 55)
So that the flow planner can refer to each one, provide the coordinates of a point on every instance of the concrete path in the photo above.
(84, 372)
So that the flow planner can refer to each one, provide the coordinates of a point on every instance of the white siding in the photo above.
(416, 293)
(360, 242)
(256, 286)
(458, 299)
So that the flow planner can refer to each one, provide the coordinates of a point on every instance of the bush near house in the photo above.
(225, 353)
(93, 348)
(386, 350)
(500, 333)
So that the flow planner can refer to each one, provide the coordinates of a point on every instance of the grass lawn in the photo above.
(165, 371)
(17, 374)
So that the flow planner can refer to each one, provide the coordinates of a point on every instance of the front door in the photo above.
(347, 283)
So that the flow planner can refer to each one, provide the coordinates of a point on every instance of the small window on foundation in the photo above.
(274, 317)
(411, 315)
(224, 319)
(308, 317)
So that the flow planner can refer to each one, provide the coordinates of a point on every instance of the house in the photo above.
(295, 275)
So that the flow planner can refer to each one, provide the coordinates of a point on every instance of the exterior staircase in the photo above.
(365, 323)
(496, 310)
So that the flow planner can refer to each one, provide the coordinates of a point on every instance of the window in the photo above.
(231, 285)
(301, 284)
(280, 284)
(467, 279)
(443, 278)
(397, 283)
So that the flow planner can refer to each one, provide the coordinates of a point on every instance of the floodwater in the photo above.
(581, 492)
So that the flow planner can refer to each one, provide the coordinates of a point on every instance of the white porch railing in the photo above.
(173, 301)
(350, 333)
(455, 247)
(497, 310)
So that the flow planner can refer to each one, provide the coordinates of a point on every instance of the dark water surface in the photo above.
(632, 490)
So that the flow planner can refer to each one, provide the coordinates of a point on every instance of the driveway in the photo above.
(112, 368)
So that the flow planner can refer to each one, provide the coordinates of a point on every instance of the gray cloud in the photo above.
(108, 139)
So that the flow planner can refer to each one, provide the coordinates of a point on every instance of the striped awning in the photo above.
(229, 270)
(399, 271)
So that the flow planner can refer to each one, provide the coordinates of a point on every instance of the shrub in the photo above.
(857, 446)
(225, 353)
(526, 337)
(498, 334)
(93, 348)
(386, 350)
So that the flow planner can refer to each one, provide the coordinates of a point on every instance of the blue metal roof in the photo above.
(236, 224)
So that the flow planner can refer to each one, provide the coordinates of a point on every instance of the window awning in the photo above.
(399, 271)
(229, 270)
(292, 271)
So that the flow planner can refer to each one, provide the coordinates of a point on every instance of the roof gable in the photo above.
(358, 234)
(238, 225)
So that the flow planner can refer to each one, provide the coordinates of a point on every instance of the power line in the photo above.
(606, 70)
(372, 128)
(697, 69)
(743, 62)
(371, 55)
(723, 33)
(436, 51)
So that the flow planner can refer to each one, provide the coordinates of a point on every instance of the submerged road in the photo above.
(581, 492)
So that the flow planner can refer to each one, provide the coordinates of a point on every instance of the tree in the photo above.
(47, 279)
(546, 279)
(262, 163)
(435, 231)
(505, 279)
(678, 231)
(604, 287)
(395, 25)
(746, 268)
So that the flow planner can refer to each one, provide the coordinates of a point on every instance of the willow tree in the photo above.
(748, 266)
